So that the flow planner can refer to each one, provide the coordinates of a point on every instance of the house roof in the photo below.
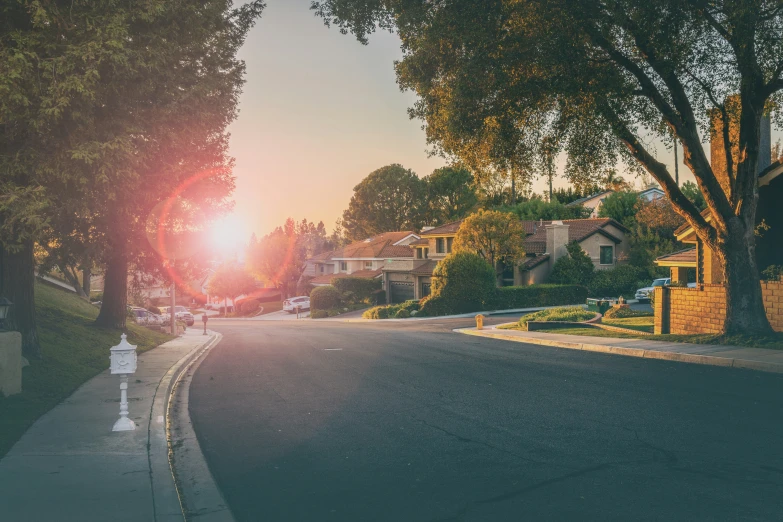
(588, 198)
(377, 247)
(578, 230)
(425, 269)
(419, 242)
(533, 262)
(326, 279)
(685, 257)
(447, 229)
(706, 214)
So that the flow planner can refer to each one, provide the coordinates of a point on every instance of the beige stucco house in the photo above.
(603, 239)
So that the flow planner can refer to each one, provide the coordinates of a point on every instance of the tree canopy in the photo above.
(496, 237)
(501, 81)
(451, 195)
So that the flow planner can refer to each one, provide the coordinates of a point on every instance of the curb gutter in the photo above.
(199, 495)
(711, 360)
(164, 489)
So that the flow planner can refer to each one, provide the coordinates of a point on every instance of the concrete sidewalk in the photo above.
(712, 354)
(70, 466)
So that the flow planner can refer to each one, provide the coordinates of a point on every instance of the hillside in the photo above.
(74, 350)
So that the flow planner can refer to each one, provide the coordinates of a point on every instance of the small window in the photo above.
(419, 253)
(343, 266)
(439, 246)
(449, 242)
(607, 255)
(322, 269)
(368, 265)
(426, 253)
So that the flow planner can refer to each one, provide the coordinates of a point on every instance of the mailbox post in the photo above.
(204, 320)
(123, 363)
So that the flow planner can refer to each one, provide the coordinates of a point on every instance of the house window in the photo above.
(343, 266)
(607, 255)
(449, 241)
(368, 265)
(426, 253)
(419, 253)
(439, 248)
(322, 269)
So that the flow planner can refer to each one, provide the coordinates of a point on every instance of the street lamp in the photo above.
(5, 306)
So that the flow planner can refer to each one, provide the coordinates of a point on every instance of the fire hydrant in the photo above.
(479, 322)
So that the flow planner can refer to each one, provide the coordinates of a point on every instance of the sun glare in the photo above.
(228, 233)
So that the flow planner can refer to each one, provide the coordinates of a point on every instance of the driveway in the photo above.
(407, 421)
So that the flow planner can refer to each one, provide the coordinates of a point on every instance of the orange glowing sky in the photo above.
(318, 113)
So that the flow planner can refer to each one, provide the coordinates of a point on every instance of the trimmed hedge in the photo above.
(623, 312)
(319, 314)
(465, 281)
(621, 280)
(385, 312)
(325, 298)
(249, 306)
(538, 295)
(361, 289)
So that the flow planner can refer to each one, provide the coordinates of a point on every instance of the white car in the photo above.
(643, 294)
(291, 304)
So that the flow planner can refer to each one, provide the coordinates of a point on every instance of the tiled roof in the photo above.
(588, 198)
(533, 262)
(425, 269)
(687, 255)
(578, 230)
(379, 246)
(327, 278)
(448, 228)
(420, 242)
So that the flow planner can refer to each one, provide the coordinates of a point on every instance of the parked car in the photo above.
(140, 315)
(302, 302)
(643, 294)
(181, 313)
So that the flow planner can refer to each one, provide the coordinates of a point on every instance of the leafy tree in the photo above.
(451, 195)
(659, 216)
(388, 199)
(536, 209)
(692, 192)
(492, 78)
(464, 282)
(567, 195)
(574, 269)
(620, 206)
(231, 280)
(496, 237)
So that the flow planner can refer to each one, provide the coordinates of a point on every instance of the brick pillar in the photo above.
(662, 310)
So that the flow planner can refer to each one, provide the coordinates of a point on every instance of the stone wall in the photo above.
(703, 309)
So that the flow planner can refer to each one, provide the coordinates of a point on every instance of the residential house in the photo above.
(652, 194)
(592, 202)
(361, 258)
(603, 239)
(703, 309)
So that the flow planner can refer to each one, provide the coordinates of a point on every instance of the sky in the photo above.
(318, 113)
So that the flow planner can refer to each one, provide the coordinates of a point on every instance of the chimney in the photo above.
(556, 241)
(717, 152)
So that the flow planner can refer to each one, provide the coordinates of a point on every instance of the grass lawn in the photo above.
(643, 324)
(774, 342)
(74, 350)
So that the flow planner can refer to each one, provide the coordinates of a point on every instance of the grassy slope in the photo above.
(74, 350)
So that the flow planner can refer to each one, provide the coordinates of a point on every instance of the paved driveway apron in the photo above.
(411, 422)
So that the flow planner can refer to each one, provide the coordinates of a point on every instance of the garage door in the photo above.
(401, 291)
(426, 289)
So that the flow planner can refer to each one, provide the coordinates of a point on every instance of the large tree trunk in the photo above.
(745, 313)
(17, 283)
(115, 291)
(72, 278)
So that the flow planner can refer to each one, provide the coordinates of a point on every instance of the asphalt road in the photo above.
(408, 421)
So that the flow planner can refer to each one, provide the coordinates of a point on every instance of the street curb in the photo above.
(485, 313)
(166, 499)
(199, 495)
(709, 360)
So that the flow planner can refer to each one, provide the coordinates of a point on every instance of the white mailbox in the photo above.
(123, 363)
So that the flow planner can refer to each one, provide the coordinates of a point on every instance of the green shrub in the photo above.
(361, 288)
(622, 312)
(325, 298)
(432, 306)
(464, 281)
(385, 312)
(532, 296)
(621, 280)
(402, 314)
(574, 269)
(319, 314)
(333, 311)
(569, 313)
(772, 273)
(378, 297)
(249, 306)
